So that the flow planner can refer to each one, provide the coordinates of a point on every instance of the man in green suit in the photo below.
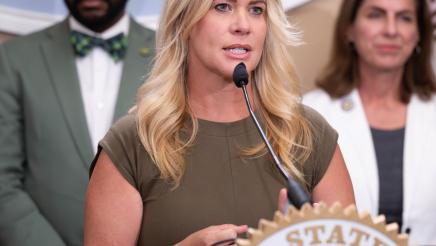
(60, 90)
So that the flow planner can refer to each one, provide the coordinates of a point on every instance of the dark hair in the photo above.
(341, 76)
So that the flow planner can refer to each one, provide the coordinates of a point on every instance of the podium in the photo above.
(323, 225)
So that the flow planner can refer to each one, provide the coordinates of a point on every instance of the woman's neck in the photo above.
(215, 99)
(380, 95)
(380, 86)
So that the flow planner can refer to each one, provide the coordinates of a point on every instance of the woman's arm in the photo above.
(113, 208)
(335, 185)
(113, 212)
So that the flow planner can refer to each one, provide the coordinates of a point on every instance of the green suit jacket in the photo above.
(45, 146)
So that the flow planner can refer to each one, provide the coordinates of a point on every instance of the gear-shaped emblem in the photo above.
(322, 225)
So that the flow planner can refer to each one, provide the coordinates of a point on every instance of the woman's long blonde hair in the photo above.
(162, 106)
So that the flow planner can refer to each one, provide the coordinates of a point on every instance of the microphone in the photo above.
(296, 195)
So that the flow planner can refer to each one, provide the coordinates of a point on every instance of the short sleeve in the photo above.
(121, 145)
(324, 145)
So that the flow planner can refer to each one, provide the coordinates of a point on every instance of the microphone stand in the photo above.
(296, 195)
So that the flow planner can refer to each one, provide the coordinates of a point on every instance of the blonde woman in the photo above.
(187, 165)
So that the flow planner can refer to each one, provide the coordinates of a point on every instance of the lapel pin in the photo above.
(144, 51)
(347, 104)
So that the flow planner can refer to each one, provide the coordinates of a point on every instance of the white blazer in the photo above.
(346, 115)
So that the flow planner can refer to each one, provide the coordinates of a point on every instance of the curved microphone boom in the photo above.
(296, 195)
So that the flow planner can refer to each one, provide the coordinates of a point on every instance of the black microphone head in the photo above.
(240, 75)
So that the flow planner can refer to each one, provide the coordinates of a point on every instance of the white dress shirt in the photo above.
(99, 76)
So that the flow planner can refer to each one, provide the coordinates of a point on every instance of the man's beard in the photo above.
(113, 12)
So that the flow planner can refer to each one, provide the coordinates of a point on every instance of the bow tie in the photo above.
(83, 44)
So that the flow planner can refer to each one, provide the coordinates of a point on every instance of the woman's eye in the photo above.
(406, 18)
(223, 7)
(257, 10)
(374, 14)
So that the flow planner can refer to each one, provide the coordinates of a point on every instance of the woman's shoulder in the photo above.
(125, 123)
(320, 128)
(317, 99)
(324, 141)
(123, 146)
(316, 120)
(125, 128)
(122, 142)
(316, 95)
(324, 103)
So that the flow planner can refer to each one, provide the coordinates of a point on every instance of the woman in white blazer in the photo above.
(378, 92)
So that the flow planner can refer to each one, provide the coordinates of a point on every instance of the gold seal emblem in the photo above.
(324, 225)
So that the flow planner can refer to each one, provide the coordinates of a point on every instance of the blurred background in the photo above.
(314, 17)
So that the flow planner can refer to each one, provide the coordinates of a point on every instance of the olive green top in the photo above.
(219, 185)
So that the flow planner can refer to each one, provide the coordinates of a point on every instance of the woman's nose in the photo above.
(240, 23)
(391, 26)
